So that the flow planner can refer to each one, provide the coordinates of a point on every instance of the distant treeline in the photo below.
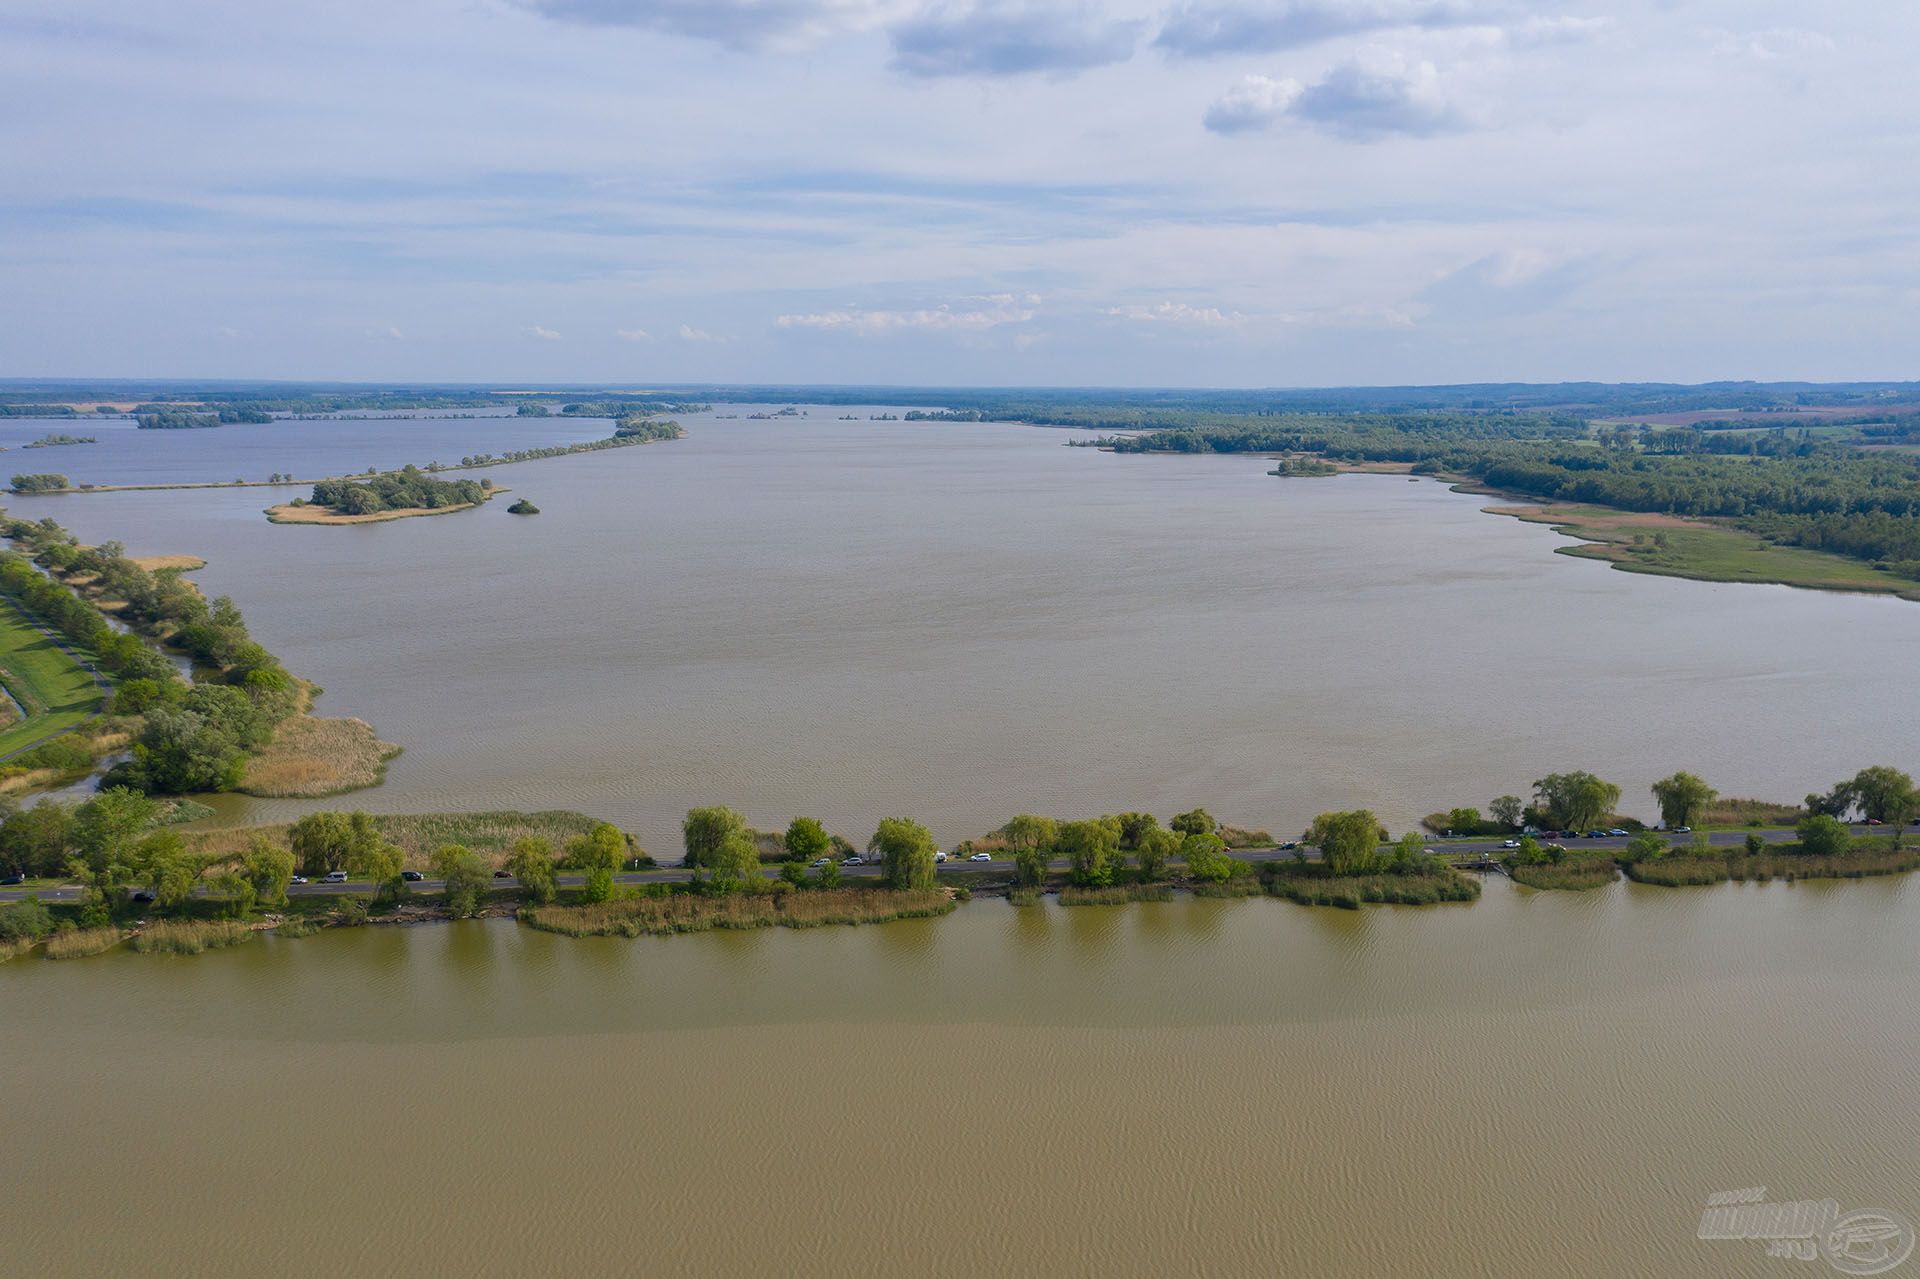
(1789, 489)
(629, 408)
(169, 419)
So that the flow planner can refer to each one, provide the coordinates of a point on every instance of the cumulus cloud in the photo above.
(738, 24)
(1257, 102)
(1211, 30)
(690, 334)
(999, 309)
(1010, 39)
(1364, 98)
(544, 334)
(632, 335)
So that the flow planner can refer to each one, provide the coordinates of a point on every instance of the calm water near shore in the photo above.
(962, 622)
(1538, 1084)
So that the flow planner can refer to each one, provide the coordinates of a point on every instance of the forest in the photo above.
(407, 489)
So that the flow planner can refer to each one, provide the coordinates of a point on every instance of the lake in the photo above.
(1536, 1084)
(963, 622)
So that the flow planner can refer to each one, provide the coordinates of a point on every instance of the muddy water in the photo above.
(1538, 1084)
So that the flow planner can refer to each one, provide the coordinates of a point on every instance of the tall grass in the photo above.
(1116, 895)
(1576, 874)
(311, 757)
(1026, 896)
(1312, 886)
(691, 913)
(297, 926)
(1680, 871)
(80, 943)
(491, 834)
(1747, 812)
(1240, 886)
(189, 936)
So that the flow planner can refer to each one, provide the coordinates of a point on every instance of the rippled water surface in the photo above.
(1537, 1084)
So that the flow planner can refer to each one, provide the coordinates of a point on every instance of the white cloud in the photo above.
(632, 335)
(544, 334)
(1180, 313)
(738, 24)
(1002, 309)
(690, 334)
(1213, 30)
(1374, 95)
(1257, 102)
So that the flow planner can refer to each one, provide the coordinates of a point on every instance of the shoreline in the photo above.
(289, 513)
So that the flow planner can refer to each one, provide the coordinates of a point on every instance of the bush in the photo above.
(25, 921)
(1822, 835)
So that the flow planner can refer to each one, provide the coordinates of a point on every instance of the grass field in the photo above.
(50, 686)
(1707, 552)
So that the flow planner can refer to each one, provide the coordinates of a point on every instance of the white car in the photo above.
(298, 879)
(939, 857)
(335, 877)
(1511, 843)
(855, 860)
(818, 862)
(981, 857)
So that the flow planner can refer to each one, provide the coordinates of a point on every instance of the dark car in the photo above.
(503, 874)
(15, 878)
(1596, 834)
(412, 876)
(143, 895)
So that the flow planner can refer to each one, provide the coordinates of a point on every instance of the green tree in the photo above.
(1756, 845)
(1647, 845)
(1507, 811)
(169, 869)
(793, 871)
(1134, 828)
(1156, 849)
(806, 840)
(532, 863)
(1884, 794)
(269, 868)
(906, 850)
(1464, 821)
(737, 861)
(827, 876)
(33, 841)
(706, 830)
(1822, 835)
(1031, 838)
(1682, 798)
(1575, 801)
(1410, 851)
(467, 879)
(1205, 854)
(1197, 822)
(1349, 842)
(103, 835)
(1090, 848)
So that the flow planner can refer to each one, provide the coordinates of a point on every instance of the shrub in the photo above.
(25, 921)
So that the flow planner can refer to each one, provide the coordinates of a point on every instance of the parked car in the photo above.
(981, 857)
(1290, 845)
(1596, 834)
(503, 874)
(1509, 843)
(854, 860)
(298, 879)
(143, 895)
(1873, 821)
(1618, 830)
(1683, 830)
(818, 862)
(335, 877)
(412, 876)
(939, 857)
(15, 878)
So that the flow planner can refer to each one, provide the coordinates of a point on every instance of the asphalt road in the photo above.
(1450, 848)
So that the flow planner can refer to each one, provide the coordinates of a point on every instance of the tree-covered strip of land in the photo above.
(169, 419)
(409, 488)
(45, 482)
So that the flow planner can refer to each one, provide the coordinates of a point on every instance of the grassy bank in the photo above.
(491, 834)
(288, 513)
(1650, 542)
(54, 691)
(1576, 874)
(82, 942)
(688, 913)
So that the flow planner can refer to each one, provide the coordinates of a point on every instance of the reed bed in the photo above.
(1116, 895)
(311, 757)
(189, 936)
(1748, 812)
(491, 834)
(691, 913)
(1354, 891)
(1681, 871)
(80, 943)
(1026, 896)
(13, 948)
(1576, 874)
(1239, 886)
(297, 926)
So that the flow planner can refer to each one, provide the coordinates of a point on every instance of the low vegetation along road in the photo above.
(1450, 848)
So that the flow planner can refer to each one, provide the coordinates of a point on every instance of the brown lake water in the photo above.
(963, 622)
(1539, 1084)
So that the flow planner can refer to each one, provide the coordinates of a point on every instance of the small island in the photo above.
(523, 507)
(394, 495)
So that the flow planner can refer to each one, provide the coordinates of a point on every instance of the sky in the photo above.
(960, 192)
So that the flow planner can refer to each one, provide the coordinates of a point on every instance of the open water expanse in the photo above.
(962, 622)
